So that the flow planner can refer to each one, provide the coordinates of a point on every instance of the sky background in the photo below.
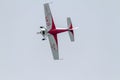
(95, 54)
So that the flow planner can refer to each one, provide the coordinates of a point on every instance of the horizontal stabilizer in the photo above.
(70, 27)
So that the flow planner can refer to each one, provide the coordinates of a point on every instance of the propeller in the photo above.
(38, 33)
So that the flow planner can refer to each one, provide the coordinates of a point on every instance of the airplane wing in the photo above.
(54, 45)
(48, 17)
(50, 26)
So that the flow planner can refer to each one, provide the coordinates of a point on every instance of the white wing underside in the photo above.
(53, 46)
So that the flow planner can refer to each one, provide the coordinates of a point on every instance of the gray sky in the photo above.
(95, 55)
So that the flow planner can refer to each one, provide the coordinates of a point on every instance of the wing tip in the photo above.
(56, 58)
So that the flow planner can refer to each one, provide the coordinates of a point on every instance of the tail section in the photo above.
(70, 27)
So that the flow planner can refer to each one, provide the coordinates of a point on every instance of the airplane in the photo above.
(51, 31)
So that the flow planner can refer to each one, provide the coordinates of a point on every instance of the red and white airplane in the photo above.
(51, 31)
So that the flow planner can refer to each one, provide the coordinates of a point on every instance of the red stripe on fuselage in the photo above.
(56, 31)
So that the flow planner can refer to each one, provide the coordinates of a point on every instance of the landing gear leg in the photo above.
(43, 39)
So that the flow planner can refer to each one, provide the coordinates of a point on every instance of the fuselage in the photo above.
(56, 31)
(44, 32)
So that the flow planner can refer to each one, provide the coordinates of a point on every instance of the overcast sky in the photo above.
(95, 54)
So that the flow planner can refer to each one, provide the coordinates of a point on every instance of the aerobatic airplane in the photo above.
(51, 31)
